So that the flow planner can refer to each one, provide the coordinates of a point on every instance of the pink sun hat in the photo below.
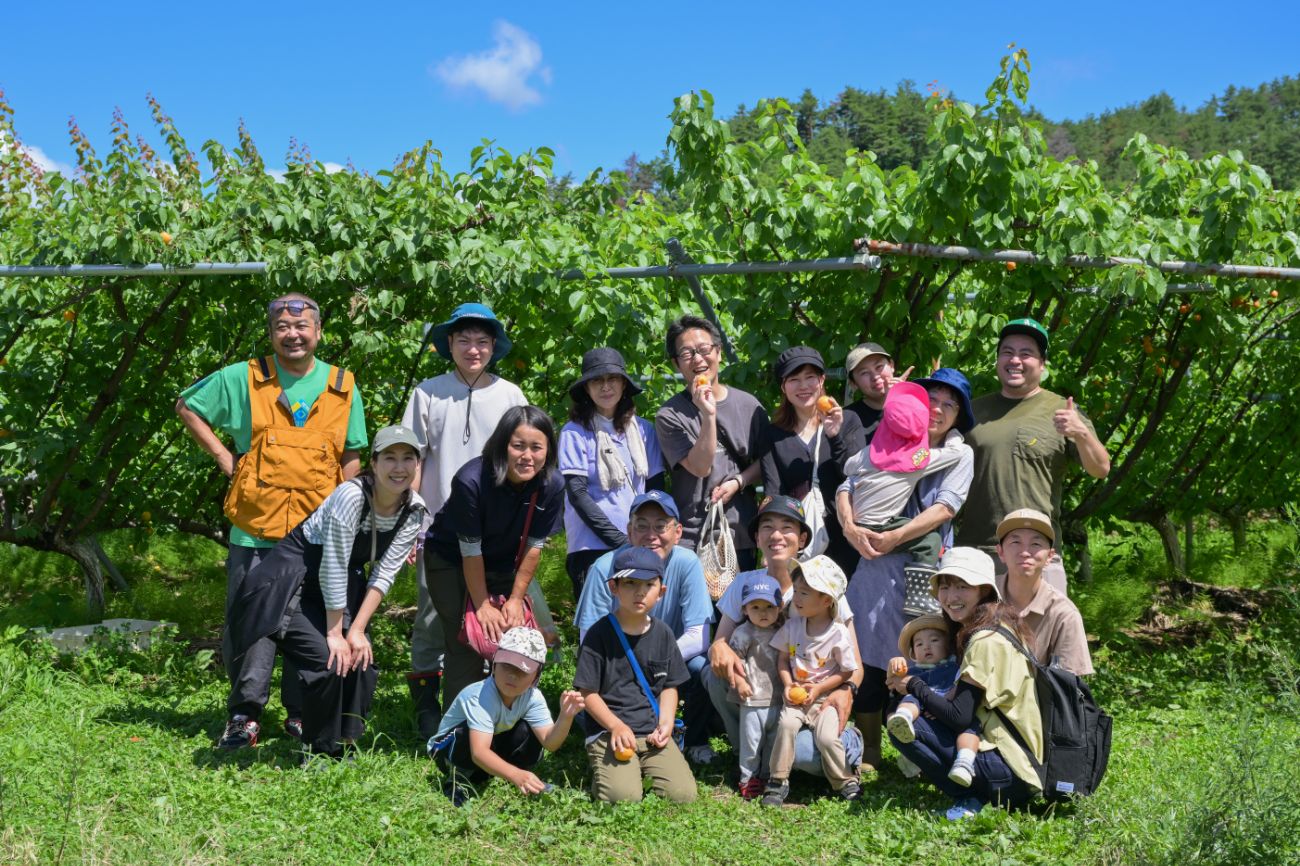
(902, 442)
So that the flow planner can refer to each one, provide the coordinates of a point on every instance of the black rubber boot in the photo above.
(424, 694)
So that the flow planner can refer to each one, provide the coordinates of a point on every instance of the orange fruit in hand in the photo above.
(798, 694)
(624, 754)
(899, 668)
(701, 381)
(825, 405)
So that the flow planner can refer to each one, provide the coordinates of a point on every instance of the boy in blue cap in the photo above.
(757, 692)
(629, 669)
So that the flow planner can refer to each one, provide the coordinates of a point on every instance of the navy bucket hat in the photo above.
(481, 315)
(955, 380)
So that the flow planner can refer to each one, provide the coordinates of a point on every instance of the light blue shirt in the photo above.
(480, 706)
(684, 604)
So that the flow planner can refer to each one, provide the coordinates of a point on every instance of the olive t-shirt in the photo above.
(1020, 462)
(741, 421)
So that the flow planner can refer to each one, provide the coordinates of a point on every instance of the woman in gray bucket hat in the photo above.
(608, 456)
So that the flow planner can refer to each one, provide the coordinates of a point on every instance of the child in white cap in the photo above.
(499, 726)
(819, 658)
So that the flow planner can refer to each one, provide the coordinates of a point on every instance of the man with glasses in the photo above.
(297, 429)
(708, 434)
(684, 607)
(1022, 439)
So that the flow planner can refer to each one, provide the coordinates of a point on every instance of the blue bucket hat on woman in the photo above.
(955, 380)
(481, 314)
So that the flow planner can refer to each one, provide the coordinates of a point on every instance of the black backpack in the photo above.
(1076, 733)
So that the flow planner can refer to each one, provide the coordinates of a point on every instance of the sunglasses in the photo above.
(294, 308)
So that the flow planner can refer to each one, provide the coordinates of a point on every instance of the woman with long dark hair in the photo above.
(486, 541)
(608, 457)
(312, 596)
(995, 693)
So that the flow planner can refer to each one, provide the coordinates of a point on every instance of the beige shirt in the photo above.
(1057, 627)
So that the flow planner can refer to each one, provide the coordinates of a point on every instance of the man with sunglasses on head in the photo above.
(297, 429)
(709, 434)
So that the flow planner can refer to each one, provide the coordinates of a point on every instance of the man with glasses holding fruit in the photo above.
(297, 429)
(709, 434)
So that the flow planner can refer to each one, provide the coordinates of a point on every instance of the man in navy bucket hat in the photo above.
(452, 416)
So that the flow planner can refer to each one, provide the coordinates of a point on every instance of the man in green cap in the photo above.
(1022, 439)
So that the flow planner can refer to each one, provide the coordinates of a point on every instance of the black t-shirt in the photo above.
(480, 510)
(869, 417)
(603, 668)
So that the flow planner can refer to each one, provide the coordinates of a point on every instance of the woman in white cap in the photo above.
(995, 694)
(312, 596)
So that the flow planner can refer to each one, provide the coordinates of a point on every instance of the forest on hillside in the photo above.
(1262, 122)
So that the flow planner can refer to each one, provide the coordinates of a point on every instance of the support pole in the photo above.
(202, 269)
(678, 256)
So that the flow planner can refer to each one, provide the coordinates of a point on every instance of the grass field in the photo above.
(106, 757)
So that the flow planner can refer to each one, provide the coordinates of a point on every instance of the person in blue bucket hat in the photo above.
(951, 387)
(453, 415)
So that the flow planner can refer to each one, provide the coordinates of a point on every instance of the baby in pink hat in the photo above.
(879, 479)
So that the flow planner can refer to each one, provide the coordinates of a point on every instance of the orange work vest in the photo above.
(288, 470)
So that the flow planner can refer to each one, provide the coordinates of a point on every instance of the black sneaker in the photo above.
(851, 791)
(241, 731)
(776, 793)
(458, 794)
(293, 727)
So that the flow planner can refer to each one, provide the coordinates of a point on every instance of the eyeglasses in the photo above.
(945, 405)
(658, 527)
(294, 308)
(688, 354)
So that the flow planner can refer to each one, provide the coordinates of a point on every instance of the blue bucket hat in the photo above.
(481, 313)
(955, 380)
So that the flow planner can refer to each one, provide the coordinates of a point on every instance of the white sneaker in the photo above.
(701, 754)
(900, 727)
(961, 774)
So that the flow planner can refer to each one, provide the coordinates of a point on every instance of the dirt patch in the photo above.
(1185, 612)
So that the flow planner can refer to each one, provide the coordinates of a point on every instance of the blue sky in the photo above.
(365, 82)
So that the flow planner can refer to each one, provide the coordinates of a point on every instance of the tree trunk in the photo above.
(1076, 535)
(83, 554)
(1189, 533)
(1237, 523)
(119, 582)
(1169, 539)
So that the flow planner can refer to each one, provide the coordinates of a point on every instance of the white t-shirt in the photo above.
(436, 414)
(479, 706)
(813, 658)
(729, 604)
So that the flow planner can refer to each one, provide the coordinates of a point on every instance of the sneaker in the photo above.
(458, 794)
(752, 788)
(776, 792)
(293, 727)
(851, 791)
(701, 754)
(967, 807)
(961, 774)
(900, 727)
(907, 768)
(240, 731)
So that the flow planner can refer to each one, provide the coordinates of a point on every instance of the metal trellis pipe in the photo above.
(972, 254)
(202, 269)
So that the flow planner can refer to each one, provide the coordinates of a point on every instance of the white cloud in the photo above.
(333, 167)
(503, 72)
(43, 161)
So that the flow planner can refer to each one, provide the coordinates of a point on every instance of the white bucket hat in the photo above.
(969, 564)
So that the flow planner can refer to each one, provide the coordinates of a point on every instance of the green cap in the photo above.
(387, 437)
(1028, 327)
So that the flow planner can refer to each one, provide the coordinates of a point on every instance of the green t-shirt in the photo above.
(1020, 462)
(221, 399)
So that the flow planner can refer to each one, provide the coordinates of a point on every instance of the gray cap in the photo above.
(387, 437)
(862, 352)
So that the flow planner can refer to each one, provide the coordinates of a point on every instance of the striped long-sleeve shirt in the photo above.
(335, 525)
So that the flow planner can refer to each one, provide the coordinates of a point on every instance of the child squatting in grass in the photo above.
(499, 726)
(629, 669)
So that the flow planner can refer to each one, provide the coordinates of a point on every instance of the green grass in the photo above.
(107, 758)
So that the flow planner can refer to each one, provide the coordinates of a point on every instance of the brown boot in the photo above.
(869, 725)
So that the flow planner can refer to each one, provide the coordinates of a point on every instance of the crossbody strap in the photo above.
(528, 522)
(636, 668)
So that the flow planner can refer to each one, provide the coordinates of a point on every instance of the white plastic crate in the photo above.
(76, 638)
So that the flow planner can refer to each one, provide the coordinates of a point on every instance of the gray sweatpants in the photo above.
(250, 674)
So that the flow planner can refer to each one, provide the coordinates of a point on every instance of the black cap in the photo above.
(603, 362)
(786, 506)
(798, 356)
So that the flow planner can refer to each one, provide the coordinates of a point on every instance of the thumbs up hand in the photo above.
(1068, 422)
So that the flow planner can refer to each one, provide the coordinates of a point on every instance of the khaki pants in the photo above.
(826, 734)
(615, 781)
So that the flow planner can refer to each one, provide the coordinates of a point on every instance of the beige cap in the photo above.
(860, 353)
(1026, 518)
